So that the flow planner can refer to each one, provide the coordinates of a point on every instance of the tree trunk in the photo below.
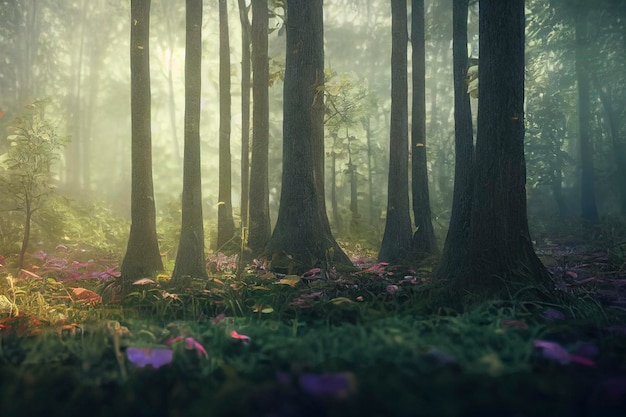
(302, 239)
(455, 247)
(396, 243)
(225, 222)
(142, 258)
(424, 243)
(500, 254)
(260, 226)
(588, 194)
(190, 260)
(245, 114)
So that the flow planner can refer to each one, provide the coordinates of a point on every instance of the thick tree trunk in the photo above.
(500, 252)
(396, 243)
(225, 222)
(142, 258)
(302, 239)
(424, 243)
(588, 194)
(260, 226)
(245, 114)
(455, 248)
(190, 261)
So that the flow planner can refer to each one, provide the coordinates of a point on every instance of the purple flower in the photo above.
(336, 385)
(147, 356)
(551, 314)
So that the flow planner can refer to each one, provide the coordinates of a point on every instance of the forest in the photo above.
(309, 208)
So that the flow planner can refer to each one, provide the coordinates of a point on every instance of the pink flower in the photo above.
(391, 289)
(241, 337)
(190, 344)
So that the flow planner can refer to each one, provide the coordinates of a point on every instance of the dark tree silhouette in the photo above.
(424, 242)
(190, 257)
(302, 238)
(225, 222)
(455, 247)
(588, 194)
(396, 243)
(260, 227)
(245, 112)
(500, 252)
(142, 258)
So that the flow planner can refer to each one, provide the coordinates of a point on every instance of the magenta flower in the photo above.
(190, 344)
(147, 356)
(241, 337)
(554, 351)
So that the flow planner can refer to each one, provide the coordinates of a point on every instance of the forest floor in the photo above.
(364, 343)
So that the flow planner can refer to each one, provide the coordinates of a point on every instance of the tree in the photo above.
(396, 243)
(260, 227)
(499, 249)
(245, 114)
(142, 258)
(588, 196)
(424, 242)
(455, 246)
(225, 223)
(301, 238)
(190, 257)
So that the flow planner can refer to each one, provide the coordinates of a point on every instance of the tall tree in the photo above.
(455, 248)
(396, 244)
(588, 195)
(190, 257)
(245, 113)
(260, 227)
(424, 242)
(225, 222)
(500, 252)
(301, 236)
(142, 258)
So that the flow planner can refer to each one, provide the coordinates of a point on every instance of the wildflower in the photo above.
(241, 337)
(190, 344)
(391, 289)
(147, 356)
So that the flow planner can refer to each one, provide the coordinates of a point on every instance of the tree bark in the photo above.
(190, 261)
(587, 194)
(396, 243)
(424, 243)
(500, 254)
(260, 226)
(302, 239)
(455, 247)
(142, 258)
(225, 222)
(245, 114)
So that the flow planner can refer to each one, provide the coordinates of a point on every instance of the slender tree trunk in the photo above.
(225, 222)
(455, 247)
(190, 261)
(333, 189)
(142, 258)
(260, 227)
(396, 243)
(588, 194)
(424, 242)
(245, 114)
(171, 96)
(302, 239)
(500, 257)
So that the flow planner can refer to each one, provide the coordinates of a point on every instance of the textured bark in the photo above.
(302, 231)
(260, 227)
(424, 242)
(190, 262)
(455, 247)
(500, 252)
(588, 194)
(225, 222)
(142, 258)
(396, 243)
(245, 113)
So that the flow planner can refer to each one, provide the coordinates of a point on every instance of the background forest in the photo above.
(53, 53)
